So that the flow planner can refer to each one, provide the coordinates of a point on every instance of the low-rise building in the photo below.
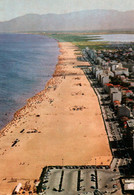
(117, 72)
(121, 71)
(107, 87)
(113, 67)
(119, 65)
(100, 75)
(99, 60)
(110, 73)
(113, 90)
(104, 79)
(98, 71)
(129, 184)
(127, 93)
(116, 96)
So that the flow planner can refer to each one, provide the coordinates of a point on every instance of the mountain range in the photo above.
(87, 20)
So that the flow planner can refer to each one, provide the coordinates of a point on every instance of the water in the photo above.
(115, 37)
(26, 64)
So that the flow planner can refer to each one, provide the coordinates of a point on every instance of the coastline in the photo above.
(69, 127)
(28, 101)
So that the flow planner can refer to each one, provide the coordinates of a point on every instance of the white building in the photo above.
(98, 71)
(100, 75)
(121, 71)
(116, 96)
(104, 80)
(129, 184)
(119, 65)
(113, 90)
(110, 73)
(99, 60)
(114, 67)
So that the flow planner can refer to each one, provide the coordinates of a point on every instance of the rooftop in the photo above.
(129, 184)
(130, 124)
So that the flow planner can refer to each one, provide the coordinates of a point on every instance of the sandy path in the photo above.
(62, 131)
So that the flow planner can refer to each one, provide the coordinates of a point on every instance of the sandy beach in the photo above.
(63, 121)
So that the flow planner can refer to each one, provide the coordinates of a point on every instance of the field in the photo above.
(79, 40)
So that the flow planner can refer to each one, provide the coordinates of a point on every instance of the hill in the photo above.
(76, 21)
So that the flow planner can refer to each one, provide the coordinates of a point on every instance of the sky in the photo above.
(13, 8)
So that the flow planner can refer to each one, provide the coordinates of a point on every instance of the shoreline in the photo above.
(14, 97)
(27, 101)
(61, 121)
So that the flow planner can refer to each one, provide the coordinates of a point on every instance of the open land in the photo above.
(79, 40)
(61, 125)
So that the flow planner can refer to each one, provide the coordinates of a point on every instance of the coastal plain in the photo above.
(61, 125)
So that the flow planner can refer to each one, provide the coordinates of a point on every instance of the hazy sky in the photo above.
(12, 8)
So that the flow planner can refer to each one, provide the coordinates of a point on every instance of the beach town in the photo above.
(54, 125)
(76, 135)
(113, 85)
(66, 97)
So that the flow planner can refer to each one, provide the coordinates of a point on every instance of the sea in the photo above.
(27, 62)
(114, 37)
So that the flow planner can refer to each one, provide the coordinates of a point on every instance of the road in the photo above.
(114, 131)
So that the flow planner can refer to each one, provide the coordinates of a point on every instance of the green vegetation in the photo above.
(62, 37)
(91, 44)
(79, 40)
